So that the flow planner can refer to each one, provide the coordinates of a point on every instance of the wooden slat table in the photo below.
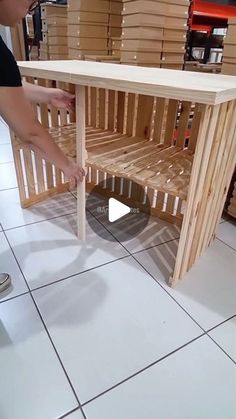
(167, 104)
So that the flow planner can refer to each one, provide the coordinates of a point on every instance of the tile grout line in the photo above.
(39, 221)
(78, 409)
(45, 327)
(226, 244)
(144, 369)
(158, 283)
(221, 323)
(62, 279)
(130, 254)
(217, 344)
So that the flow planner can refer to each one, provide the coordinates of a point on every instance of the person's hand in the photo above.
(61, 99)
(74, 173)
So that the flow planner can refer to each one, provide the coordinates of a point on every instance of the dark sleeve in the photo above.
(9, 71)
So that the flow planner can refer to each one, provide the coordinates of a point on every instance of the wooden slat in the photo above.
(198, 111)
(111, 110)
(130, 114)
(206, 208)
(29, 171)
(183, 124)
(19, 171)
(102, 108)
(171, 121)
(43, 107)
(120, 112)
(207, 130)
(93, 104)
(144, 116)
(159, 120)
(81, 151)
(225, 166)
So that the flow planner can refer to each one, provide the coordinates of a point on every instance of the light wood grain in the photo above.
(175, 84)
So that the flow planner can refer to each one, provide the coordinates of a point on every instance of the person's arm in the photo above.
(50, 96)
(17, 112)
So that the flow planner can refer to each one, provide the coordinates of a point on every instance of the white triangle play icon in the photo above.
(117, 210)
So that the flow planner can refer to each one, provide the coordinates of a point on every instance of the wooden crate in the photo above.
(170, 131)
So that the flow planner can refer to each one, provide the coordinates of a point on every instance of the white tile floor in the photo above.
(92, 330)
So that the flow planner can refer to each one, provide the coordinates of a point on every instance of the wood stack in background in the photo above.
(54, 26)
(154, 32)
(229, 53)
(87, 27)
(232, 205)
(114, 27)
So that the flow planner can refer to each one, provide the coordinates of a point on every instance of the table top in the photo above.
(175, 84)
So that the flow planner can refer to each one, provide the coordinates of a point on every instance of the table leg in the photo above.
(81, 152)
(205, 140)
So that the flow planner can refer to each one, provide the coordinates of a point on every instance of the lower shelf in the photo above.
(158, 166)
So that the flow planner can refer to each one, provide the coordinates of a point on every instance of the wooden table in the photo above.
(187, 117)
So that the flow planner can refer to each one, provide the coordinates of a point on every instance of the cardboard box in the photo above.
(141, 57)
(58, 40)
(229, 60)
(142, 33)
(172, 66)
(141, 45)
(175, 23)
(116, 7)
(143, 20)
(102, 58)
(115, 21)
(78, 54)
(52, 10)
(57, 31)
(99, 6)
(43, 56)
(58, 49)
(56, 21)
(172, 58)
(115, 43)
(114, 32)
(229, 69)
(88, 17)
(174, 35)
(86, 30)
(58, 57)
(43, 47)
(229, 51)
(169, 2)
(169, 46)
(155, 7)
(87, 43)
(45, 37)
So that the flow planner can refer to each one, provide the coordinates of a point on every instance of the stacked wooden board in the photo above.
(154, 32)
(87, 27)
(114, 27)
(229, 54)
(232, 206)
(54, 26)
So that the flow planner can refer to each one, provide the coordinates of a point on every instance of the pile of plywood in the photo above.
(229, 54)
(154, 32)
(88, 27)
(54, 26)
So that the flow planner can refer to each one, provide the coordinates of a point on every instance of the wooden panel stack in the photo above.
(87, 27)
(154, 32)
(114, 27)
(229, 53)
(54, 26)
(232, 207)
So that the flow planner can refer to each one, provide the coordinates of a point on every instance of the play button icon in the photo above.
(118, 213)
(117, 210)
